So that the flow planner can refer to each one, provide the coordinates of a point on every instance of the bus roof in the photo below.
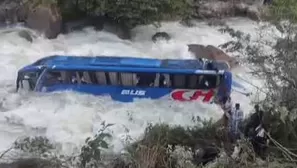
(122, 63)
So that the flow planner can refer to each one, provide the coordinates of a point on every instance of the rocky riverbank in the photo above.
(54, 17)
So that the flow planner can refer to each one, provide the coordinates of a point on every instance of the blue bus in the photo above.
(127, 78)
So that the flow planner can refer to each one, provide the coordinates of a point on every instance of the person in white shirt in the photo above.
(235, 122)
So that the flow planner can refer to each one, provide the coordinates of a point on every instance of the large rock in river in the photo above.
(13, 11)
(211, 52)
(45, 19)
(99, 23)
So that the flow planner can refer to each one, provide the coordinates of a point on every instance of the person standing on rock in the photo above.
(255, 132)
(235, 123)
(254, 121)
(226, 105)
(260, 141)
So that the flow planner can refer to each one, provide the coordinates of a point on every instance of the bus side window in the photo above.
(157, 80)
(127, 79)
(164, 80)
(212, 81)
(179, 81)
(66, 76)
(93, 78)
(193, 81)
(52, 78)
(208, 81)
(146, 79)
(101, 78)
(86, 78)
(113, 77)
(76, 78)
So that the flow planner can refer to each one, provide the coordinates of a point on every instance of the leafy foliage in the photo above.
(283, 10)
(276, 63)
(38, 145)
(91, 151)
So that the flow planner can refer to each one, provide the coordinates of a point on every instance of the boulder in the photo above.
(211, 52)
(77, 25)
(26, 35)
(161, 35)
(46, 20)
(13, 11)
(214, 9)
(254, 13)
(118, 28)
(221, 9)
(99, 23)
(250, 11)
(205, 154)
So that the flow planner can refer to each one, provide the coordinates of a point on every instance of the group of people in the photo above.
(254, 129)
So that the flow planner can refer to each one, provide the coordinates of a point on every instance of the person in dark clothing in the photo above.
(254, 121)
(255, 131)
(260, 141)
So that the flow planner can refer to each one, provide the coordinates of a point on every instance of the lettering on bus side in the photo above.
(133, 92)
(191, 95)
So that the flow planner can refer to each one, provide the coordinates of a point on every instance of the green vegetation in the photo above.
(283, 10)
(278, 69)
(133, 12)
(173, 147)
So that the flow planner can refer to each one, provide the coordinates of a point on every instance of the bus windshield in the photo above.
(27, 80)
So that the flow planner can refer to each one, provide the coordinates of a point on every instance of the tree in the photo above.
(275, 63)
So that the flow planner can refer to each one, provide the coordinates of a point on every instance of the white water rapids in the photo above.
(68, 118)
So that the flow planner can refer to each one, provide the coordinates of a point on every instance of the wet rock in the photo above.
(99, 23)
(214, 9)
(45, 19)
(13, 11)
(250, 11)
(120, 29)
(216, 22)
(26, 35)
(212, 53)
(161, 35)
(187, 22)
(254, 13)
(205, 154)
(221, 9)
(77, 25)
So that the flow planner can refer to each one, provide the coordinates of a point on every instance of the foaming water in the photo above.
(70, 117)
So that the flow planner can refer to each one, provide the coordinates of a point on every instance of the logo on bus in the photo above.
(133, 92)
(191, 95)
